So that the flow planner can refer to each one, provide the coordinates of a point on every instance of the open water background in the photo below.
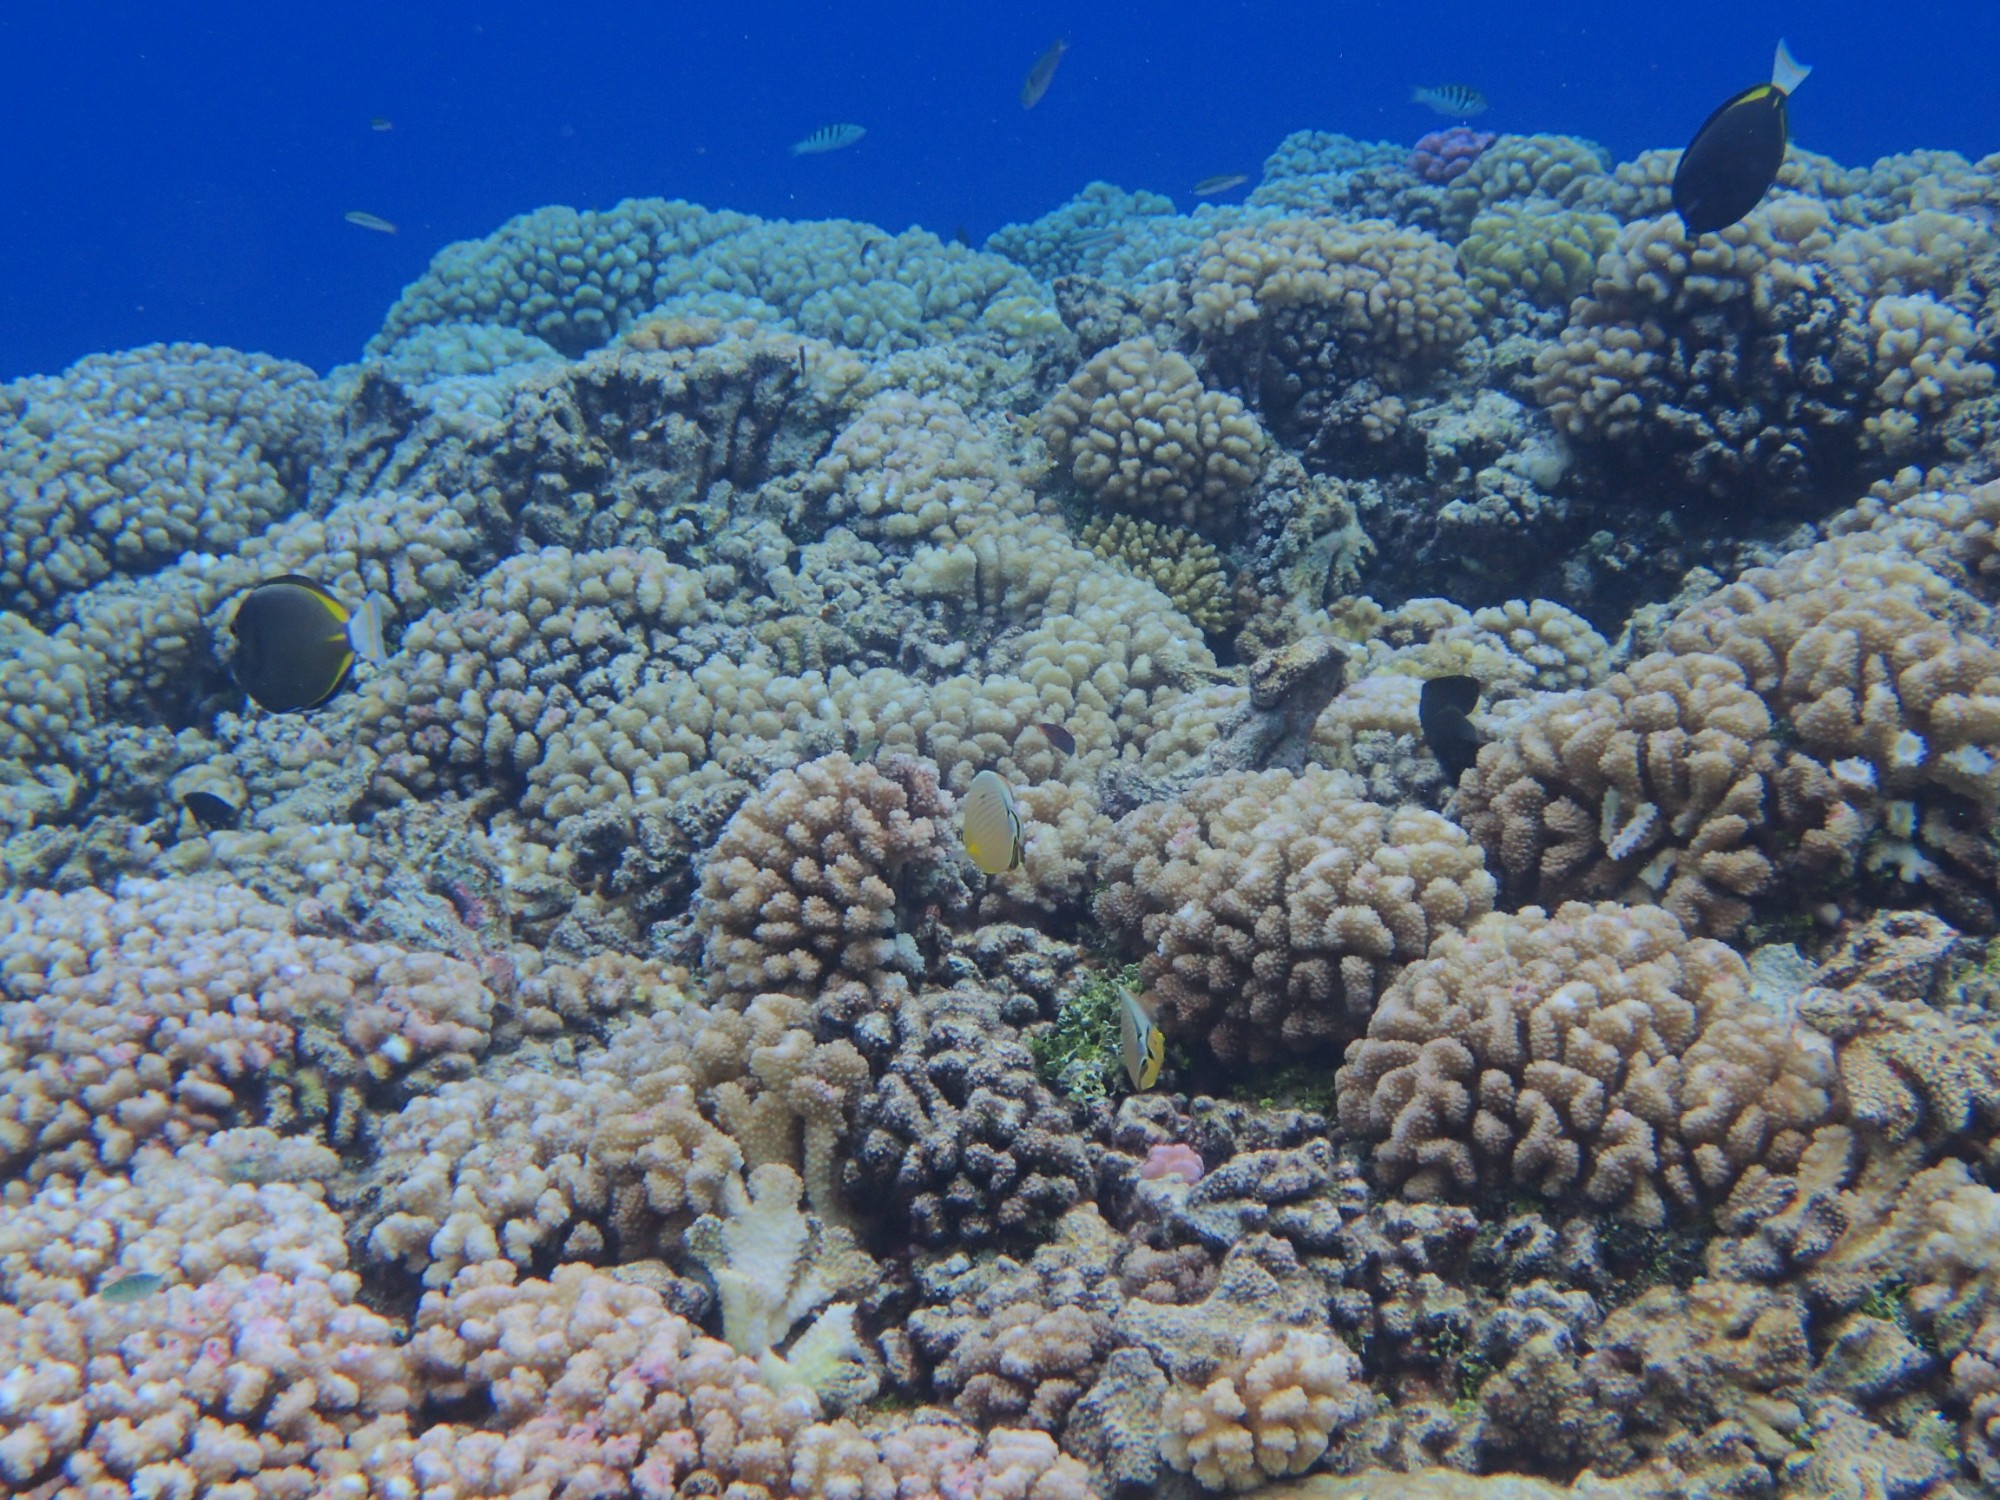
(180, 171)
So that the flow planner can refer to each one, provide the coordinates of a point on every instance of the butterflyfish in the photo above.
(992, 828)
(1141, 1041)
(1041, 75)
(1455, 99)
(1441, 712)
(1734, 158)
(375, 222)
(296, 644)
(828, 138)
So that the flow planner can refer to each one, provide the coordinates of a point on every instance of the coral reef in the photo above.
(1321, 322)
(1816, 722)
(1179, 564)
(1271, 910)
(803, 885)
(1444, 155)
(1683, 358)
(169, 1010)
(578, 1059)
(1535, 252)
(1137, 432)
(125, 461)
(1596, 1053)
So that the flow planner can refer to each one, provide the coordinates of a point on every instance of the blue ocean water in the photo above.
(181, 172)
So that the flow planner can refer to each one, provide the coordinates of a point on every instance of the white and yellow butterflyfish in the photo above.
(1141, 1041)
(992, 828)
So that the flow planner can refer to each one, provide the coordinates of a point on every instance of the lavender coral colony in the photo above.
(762, 859)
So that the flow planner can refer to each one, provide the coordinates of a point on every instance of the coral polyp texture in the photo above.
(1595, 1053)
(1299, 312)
(1687, 356)
(1271, 910)
(581, 1057)
(1827, 720)
(1137, 433)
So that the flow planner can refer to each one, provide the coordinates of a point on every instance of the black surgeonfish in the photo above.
(211, 812)
(296, 643)
(1441, 712)
(1735, 156)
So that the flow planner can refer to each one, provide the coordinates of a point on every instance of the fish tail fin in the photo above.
(1787, 72)
(1418, 93)
(364, 630)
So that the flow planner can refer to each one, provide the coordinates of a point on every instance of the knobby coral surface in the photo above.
(1270, 910)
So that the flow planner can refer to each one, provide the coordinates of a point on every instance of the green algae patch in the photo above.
(1077, 1054)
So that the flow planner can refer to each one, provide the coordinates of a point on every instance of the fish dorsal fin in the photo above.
(1787, 72)
(1458, 694)
(312, 586)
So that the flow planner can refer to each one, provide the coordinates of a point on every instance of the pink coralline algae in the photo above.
(1443, 155)
(1172, 1160)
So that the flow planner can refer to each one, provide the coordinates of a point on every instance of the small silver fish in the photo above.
(1208, 187)
(1098, 239)
(828, 138)
(378, 123)
(1041, 75)
(375, 222)
(1458, 100)
(133, 1288)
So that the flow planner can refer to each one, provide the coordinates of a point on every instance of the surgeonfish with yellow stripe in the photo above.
(1734, 158)
(1141, 1041)
(296, 644)
(992, 828)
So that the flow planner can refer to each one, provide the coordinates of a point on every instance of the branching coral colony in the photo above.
(581, 1058)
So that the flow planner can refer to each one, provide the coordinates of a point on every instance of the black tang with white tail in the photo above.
(296, 643)
(1734, 158)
